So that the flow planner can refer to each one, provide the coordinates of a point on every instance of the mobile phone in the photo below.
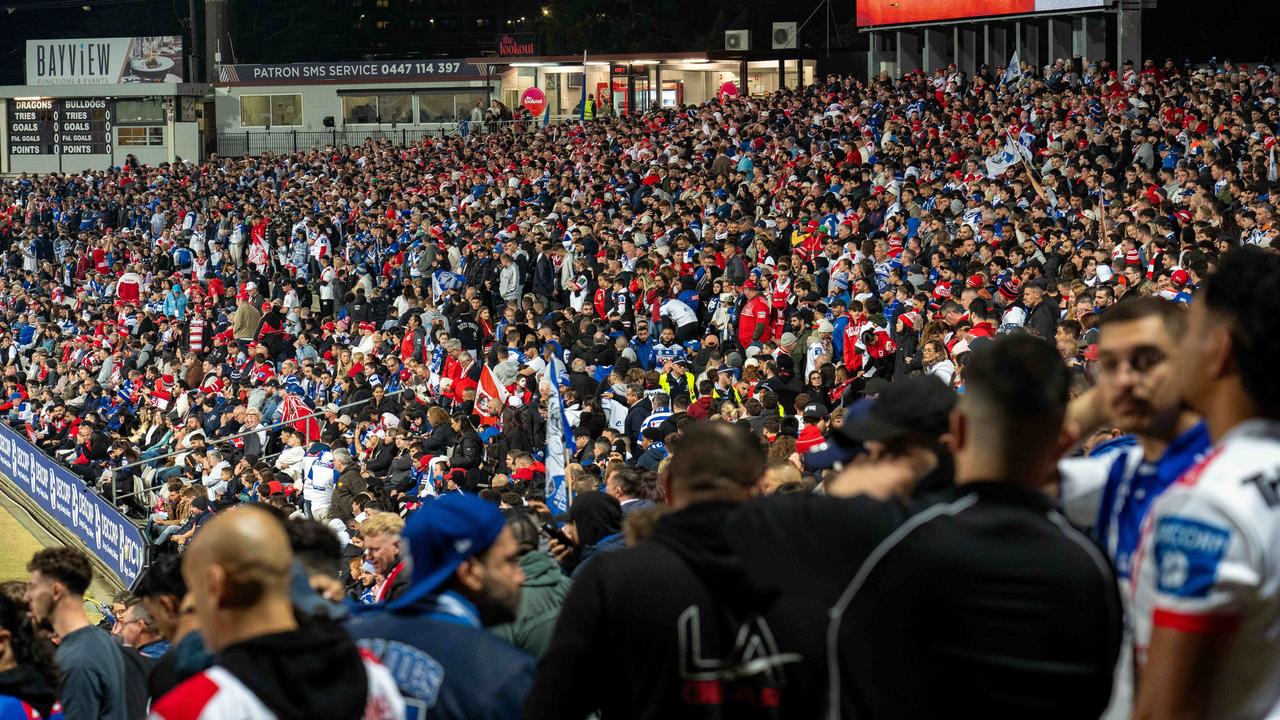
(549, 528)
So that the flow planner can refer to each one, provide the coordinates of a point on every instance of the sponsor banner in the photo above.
(105, 531)
(896, 12)
(105, 61)
(358, 71)
(514, 45)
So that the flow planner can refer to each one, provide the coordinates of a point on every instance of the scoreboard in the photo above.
(31, 127)
(82, 126)
(71, 126)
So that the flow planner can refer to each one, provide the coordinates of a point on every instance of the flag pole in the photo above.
(582, 104)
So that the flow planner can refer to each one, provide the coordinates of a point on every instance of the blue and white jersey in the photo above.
(654, 420)
(318, 475)
(1112, 490)
(663, 353)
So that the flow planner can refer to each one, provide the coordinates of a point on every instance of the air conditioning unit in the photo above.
(737, 40)
(784, 36)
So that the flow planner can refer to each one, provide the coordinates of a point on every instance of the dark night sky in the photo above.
(1244, 31)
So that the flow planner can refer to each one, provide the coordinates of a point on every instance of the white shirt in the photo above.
(1209, 562)
(679, 313)
(944, 370)
(326, 283)
(318, 476)
(815, 351)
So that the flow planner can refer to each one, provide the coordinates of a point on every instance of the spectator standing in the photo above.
(466, 576)
(672, 627)
(239, 572)
(163, 594)
(1112, 489)
(28, 673)
(380, 534)
(1204, 594)
(542, 592)
(979, 623)
(92, 667)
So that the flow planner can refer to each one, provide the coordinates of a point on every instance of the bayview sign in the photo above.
(104, 61)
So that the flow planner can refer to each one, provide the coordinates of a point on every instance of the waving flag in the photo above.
(490, 397)
(560, 445)
(436, 367)
(294, 411)
(1012, 154)
(442, 281)
(1003, 160)
(1026, 139)
(1013, 71)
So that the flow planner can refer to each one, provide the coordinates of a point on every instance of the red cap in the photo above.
(942, 291)
(166, 380)
(975, 282)
(266, 307)
(1180, 277)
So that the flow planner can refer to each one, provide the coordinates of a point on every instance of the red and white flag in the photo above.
(491, 397)
(294, 411)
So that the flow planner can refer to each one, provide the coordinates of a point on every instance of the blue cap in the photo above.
(440, 535)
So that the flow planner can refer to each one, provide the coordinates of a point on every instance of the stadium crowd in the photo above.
(456, 404)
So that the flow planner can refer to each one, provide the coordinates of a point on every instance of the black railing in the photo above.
(280, 142)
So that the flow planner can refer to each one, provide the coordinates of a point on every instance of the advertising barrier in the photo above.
(897, 12)
(105, 531)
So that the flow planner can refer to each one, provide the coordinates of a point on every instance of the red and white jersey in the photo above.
(1209, 563)
(216, 694)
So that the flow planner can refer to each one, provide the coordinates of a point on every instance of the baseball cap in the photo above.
(815, 411)
(440, 535)
(919, 403)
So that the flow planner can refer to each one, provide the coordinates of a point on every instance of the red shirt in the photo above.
(755, 312)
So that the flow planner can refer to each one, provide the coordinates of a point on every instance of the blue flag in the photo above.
(1012, 71)
(442, 281)
(560, 444)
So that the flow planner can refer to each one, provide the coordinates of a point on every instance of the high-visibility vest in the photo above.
(589, 110)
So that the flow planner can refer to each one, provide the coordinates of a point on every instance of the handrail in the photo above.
(115, 498)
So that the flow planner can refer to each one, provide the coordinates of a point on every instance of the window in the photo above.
(270, 110)
(396, 108)
(360, 108)
(383, 24)
(367, 109)
(139, 112)
(384, 3)
(483, 22)
(447, 105)
(135, 136)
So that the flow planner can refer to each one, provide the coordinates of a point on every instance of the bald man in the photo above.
(237, 573)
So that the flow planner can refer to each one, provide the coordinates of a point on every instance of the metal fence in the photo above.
(280, 142)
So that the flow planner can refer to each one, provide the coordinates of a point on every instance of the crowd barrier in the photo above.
(116, 542)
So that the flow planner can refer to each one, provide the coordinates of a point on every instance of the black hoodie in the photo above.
(313, 672)
(673, 629)
(30, 687)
